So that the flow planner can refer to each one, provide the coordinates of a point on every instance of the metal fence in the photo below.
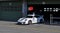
(52, 19)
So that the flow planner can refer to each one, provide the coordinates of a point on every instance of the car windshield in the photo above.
(29, 16)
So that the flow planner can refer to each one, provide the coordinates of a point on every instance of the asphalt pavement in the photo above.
(11, 27)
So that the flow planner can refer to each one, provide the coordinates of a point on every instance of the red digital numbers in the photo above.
(30, 8)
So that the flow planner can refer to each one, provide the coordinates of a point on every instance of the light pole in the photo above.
(24, 8)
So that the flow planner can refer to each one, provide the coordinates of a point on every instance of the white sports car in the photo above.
(31, 18)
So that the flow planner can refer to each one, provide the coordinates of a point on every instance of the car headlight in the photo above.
(25, 19)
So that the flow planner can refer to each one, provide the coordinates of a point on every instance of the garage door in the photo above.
(10, 11)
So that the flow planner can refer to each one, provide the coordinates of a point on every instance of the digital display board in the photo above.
(46, 9)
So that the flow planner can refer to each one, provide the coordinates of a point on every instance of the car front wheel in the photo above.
(29, 22)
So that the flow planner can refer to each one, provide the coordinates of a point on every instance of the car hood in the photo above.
(22, 19)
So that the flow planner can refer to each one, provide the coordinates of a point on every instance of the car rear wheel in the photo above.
(41, 21)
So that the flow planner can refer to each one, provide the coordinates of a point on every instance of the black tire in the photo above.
(29, 22)
(18, 23)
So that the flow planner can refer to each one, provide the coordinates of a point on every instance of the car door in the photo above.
(34, 20)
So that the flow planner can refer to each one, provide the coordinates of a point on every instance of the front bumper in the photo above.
(18, 23)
